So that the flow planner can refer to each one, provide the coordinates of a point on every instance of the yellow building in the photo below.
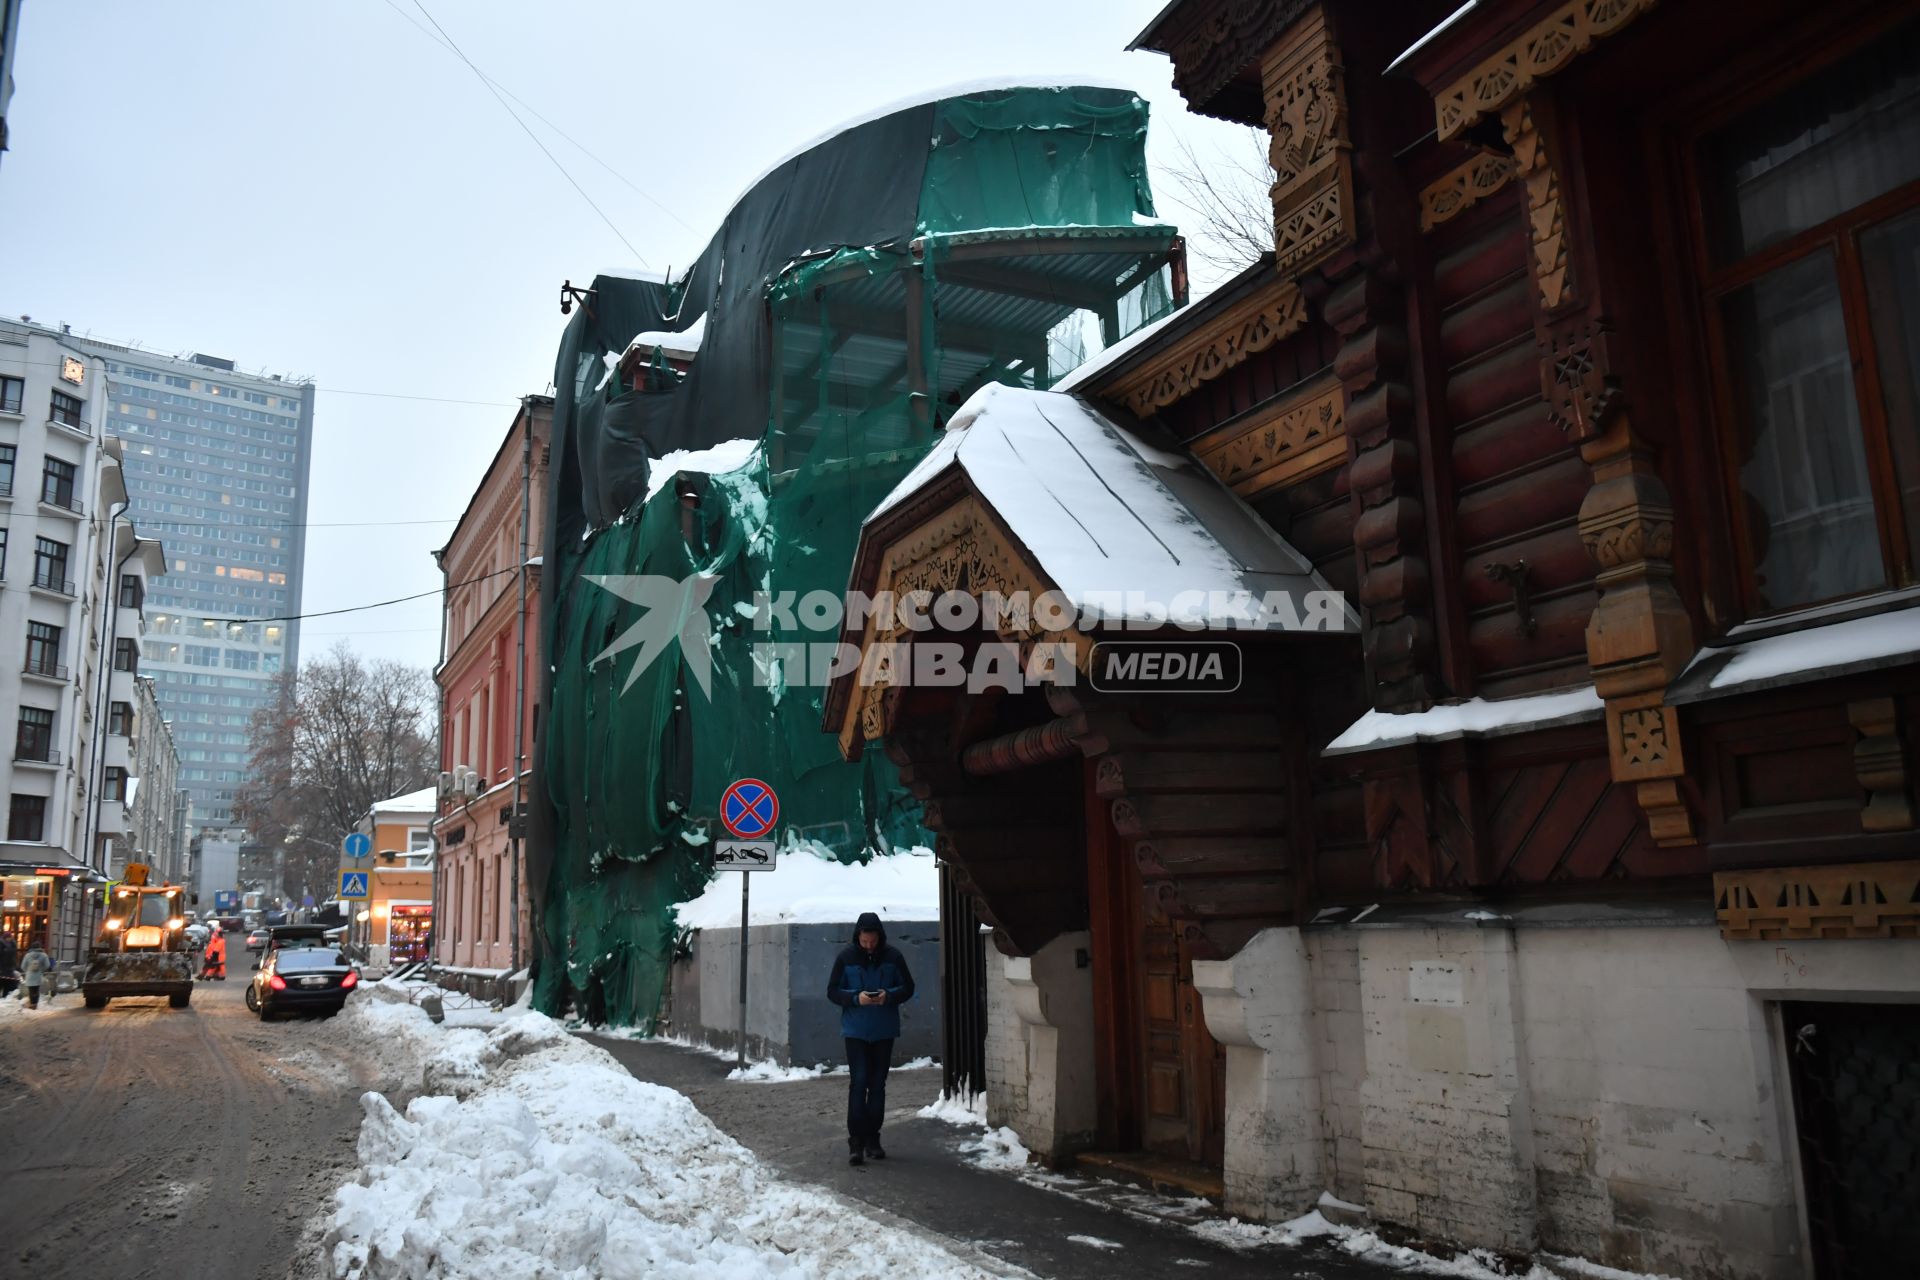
(395, 921)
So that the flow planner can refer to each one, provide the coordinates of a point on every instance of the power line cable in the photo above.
(530, 133)
(276, 524)
(638, 190)
(381, 604)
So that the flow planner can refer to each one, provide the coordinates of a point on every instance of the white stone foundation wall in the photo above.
(1040, 1073)
(1618, 1093)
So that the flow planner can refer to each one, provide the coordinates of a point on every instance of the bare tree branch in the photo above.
(1230, 199)
(337, 736)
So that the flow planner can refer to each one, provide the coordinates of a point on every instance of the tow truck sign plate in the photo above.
(745, 855)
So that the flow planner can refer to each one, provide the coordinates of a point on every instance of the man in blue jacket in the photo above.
(870, 982)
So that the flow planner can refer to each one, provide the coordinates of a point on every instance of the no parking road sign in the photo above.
(749, 809)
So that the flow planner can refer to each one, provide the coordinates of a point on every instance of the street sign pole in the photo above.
(745, 880)
(748, 810)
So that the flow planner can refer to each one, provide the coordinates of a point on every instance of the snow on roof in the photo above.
(1474, 716)
(809, 888)
(1118, 525)
(1434, 34)
(1812, 653)
(1105, 359)
(425, 800)
(685, 342)
(728, 455)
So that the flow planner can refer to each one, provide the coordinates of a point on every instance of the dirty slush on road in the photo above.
(148, 1141)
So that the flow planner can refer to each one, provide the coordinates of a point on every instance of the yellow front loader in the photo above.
(142, 946)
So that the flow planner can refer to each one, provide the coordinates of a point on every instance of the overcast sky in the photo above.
(318, 189)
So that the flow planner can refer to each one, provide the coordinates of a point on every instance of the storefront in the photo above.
(44, 905)
(408, 927)
(28, 904)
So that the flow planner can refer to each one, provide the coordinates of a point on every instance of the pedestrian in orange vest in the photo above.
(216, 956)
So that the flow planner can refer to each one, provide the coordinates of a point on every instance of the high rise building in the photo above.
(216, 466)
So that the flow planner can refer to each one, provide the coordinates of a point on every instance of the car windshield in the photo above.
(309, 958)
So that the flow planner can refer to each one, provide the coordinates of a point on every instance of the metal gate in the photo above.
(1856, 1102)
(963, 991)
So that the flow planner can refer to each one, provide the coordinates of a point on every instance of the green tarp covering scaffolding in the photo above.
(855, 296)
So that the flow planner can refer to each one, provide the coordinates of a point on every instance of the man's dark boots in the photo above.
(874, 1150)
(854, 1155)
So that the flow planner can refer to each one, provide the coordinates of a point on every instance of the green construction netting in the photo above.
(1023, 238)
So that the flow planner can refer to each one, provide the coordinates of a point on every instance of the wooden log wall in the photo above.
(1518, 480)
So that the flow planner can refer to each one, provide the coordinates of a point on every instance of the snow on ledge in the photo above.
(1474, 716)
(1819, 650)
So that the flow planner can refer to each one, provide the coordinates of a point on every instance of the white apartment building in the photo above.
(72, 582)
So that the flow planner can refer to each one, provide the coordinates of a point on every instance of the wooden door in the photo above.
(1182, 1068)
(1162, 1076)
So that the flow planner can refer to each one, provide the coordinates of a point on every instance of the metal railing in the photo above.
(71, 502)
(45, 670)
(6, 488)
(53, 582)
(77, 425)
(29, 755)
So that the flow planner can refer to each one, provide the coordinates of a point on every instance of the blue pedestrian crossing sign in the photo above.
(358, 844)
(353, 884)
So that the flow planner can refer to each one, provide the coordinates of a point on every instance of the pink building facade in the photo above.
(481, 897)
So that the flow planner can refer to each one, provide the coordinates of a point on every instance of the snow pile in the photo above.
(767, 1071)
(552, 1160)
(397, 1041)
(949, 1109)
(809, 889)
(1474, 1264)
(998, 1149)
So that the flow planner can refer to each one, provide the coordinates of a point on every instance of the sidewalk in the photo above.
(1051, 1225)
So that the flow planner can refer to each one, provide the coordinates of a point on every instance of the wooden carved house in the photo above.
(1573, 903)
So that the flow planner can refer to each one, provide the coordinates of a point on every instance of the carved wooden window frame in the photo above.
(1803, 56)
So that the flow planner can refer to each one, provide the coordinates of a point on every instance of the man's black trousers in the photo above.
(867, 1064)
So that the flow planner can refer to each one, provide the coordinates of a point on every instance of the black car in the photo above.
(296, 978)
(282, 936)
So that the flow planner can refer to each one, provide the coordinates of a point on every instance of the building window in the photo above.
(126, 655)
(1811, 214)
(50, 565)
(65, 410)
(120, 720)
(56, 484)
(43, 649)
(12, 392)
(27, 818)
(116, 783)
(419, 842)
(33, 738)
(133, 591)
(7, 455)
